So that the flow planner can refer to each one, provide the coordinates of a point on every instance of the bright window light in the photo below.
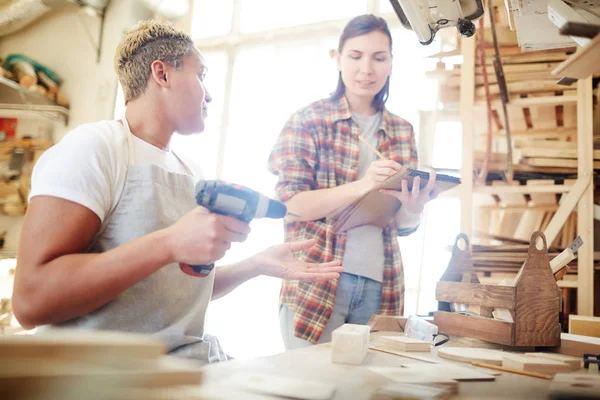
(212, 18)
(262, 15)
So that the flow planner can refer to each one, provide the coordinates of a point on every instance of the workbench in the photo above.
(357, 382)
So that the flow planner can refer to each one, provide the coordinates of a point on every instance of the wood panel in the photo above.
(476, 294)
(538, 299)
(475, 327)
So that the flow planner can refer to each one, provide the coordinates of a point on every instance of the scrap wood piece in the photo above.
(405, 343)
(584, 325)
(577, 345)
(573, 362)
(534, 364)
(466, 354)
(452, 371)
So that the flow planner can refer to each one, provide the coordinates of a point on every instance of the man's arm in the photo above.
(55, 281)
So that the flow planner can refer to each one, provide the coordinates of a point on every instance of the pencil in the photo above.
(514, 371)
(371, 147)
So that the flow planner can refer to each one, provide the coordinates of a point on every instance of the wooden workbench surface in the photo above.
(358, 382)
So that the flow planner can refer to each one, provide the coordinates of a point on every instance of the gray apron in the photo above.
(169, 303)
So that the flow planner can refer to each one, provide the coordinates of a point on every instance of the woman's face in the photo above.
(365, 63)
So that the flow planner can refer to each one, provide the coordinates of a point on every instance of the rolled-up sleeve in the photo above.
(294, 158)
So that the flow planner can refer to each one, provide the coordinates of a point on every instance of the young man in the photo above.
(112, 213)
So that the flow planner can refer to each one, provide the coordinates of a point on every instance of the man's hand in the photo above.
(201, 238)
(414, 201)
(279, 261)
(378, 172)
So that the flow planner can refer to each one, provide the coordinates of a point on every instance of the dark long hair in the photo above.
(358, 26)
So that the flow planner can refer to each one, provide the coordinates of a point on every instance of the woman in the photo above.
(323, 165)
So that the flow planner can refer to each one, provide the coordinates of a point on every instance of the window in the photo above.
(211, 18)
(287, 13)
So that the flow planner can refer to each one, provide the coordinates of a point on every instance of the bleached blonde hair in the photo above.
(143, 44)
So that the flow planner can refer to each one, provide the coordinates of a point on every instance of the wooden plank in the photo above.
(476, 294)
(585, 208)
(584, 325)
(554, 152)
(523, 189)
(534, 364)
(475, 327)
(577, 345)
(555, 162)
(516, 101)
(583, 64)
(467, 98)
(538, 299)
(509, 219)
(466, 354)
(565, 208)
(546, 144)
(574, 363)
(532, 219)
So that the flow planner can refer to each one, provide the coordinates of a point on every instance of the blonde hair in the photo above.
(143, 44)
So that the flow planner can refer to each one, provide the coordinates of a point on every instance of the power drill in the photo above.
(241, 202)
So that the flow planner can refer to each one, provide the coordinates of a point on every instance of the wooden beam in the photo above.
(585, 214)
(583, 64)
(476, 294)
(467, 98)
(565, 209)
(523, 189)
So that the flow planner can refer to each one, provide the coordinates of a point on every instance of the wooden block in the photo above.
(534, 364)
(586, 326)
(274, 385)
(480, 328)
(387, 323)
(451, 371)
(466, 354)
(573, 362)
(405, 343)
(97, 346)
(575, 386)
(411, 376)
(350, 344)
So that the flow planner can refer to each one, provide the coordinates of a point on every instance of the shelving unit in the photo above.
(18, 102)
(537, 108)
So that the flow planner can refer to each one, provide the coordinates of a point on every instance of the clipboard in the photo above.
(375, 208)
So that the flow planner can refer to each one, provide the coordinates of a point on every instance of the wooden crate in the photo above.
(534, 301)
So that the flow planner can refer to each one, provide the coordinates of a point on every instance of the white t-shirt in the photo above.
(88, 166)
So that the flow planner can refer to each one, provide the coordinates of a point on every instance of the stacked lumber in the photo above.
(64, 364)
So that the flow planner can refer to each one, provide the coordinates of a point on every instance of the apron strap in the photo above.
(130, 149)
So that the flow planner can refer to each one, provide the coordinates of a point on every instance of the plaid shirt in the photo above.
(318, 149)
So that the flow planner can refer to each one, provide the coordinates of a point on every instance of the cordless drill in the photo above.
(238, 201)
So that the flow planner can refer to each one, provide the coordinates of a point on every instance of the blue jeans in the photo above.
(356, 299)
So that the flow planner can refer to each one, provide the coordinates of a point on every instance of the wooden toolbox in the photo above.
(534, 301)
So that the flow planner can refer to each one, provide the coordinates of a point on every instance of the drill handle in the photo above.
(200, 271)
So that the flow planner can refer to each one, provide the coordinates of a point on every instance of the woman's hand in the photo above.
(414, 201)
(279, 261)
(378, 172)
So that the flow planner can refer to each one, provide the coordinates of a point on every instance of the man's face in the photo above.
(188, 100)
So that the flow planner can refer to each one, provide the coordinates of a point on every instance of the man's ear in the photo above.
(159, 73)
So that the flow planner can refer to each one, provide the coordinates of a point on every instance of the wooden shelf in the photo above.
(523, 189)
(18, 102)
(584, 63)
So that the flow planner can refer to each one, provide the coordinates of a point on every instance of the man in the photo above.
(112, 213)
